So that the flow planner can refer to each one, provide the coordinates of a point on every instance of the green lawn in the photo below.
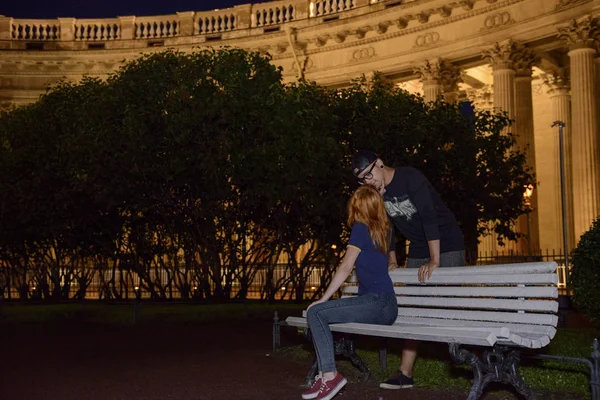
(435, 370)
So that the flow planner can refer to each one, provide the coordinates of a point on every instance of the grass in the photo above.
(435, 370)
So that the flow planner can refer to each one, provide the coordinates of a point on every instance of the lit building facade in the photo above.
(535, 59)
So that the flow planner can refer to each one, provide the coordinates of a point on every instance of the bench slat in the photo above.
(541, 330)
(450, 291)
(492, 280)
(497, 269)
(445, 335)
(497, 316)
(489, 304)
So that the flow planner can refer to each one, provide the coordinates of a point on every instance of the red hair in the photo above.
(366, 206)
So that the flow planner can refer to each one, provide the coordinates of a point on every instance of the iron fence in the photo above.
(274, 282)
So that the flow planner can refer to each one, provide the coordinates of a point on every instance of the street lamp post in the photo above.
(563, 197)
(528, 193)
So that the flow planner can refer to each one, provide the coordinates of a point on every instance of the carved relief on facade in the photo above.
(382, 27)
(341, 36)
(306, 65)
(427, 39)
(466, 5)
(361, 32)
(497, 20)
(363, 54)
(321, 40)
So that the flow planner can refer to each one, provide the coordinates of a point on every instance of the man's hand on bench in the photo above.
(426, 270)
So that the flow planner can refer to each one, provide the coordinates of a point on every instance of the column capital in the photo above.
(429, 71)
(524, 60)
(501, 55)
(557, 81)
(439, 72)
(482, 98)
(580, 33)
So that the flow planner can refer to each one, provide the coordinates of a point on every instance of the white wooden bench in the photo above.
(503, 308)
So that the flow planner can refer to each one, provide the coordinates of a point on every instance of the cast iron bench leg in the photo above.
(497, 365)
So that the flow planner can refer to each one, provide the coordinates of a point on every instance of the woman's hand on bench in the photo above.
(315, 302)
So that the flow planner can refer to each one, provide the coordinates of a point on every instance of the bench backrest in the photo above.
(522, 296)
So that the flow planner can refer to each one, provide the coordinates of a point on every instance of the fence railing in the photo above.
(275, 282)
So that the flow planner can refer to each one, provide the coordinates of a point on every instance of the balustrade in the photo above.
(97, 30)
(325, 7)
(35, 29)
(273, 13)
(242, 17)
(163, 26)
(211, 22)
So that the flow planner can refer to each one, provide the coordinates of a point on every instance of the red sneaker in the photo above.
(329, 389)
(314, 389)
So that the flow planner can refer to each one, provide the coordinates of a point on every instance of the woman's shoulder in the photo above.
(359, 226)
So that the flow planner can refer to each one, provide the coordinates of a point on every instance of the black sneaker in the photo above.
(399, 381)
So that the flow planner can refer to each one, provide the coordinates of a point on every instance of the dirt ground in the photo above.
(214, 361)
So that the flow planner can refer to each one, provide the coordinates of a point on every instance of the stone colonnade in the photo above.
(573, 89)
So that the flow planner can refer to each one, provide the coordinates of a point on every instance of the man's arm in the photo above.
(392, 260)
(434, 257)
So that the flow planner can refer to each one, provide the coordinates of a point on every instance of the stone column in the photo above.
(560, 95)
(483, 100)
(501, 60)
(524, 59)
(580, 36)
(431, 78)
(451, 76)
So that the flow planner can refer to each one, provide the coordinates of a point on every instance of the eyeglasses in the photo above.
(368, 175)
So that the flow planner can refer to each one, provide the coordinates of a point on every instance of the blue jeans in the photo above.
(368, 308)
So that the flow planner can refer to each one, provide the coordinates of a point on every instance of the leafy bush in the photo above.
(585, 277)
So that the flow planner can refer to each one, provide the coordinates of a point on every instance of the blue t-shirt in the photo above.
(371, 264)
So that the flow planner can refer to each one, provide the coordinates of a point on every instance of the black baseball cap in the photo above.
(362, 160)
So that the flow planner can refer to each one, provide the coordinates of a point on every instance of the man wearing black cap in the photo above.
(418, 212)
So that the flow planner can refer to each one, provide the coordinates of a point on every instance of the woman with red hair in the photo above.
(368, 249)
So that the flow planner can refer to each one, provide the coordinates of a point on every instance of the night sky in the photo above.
(48, 9)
